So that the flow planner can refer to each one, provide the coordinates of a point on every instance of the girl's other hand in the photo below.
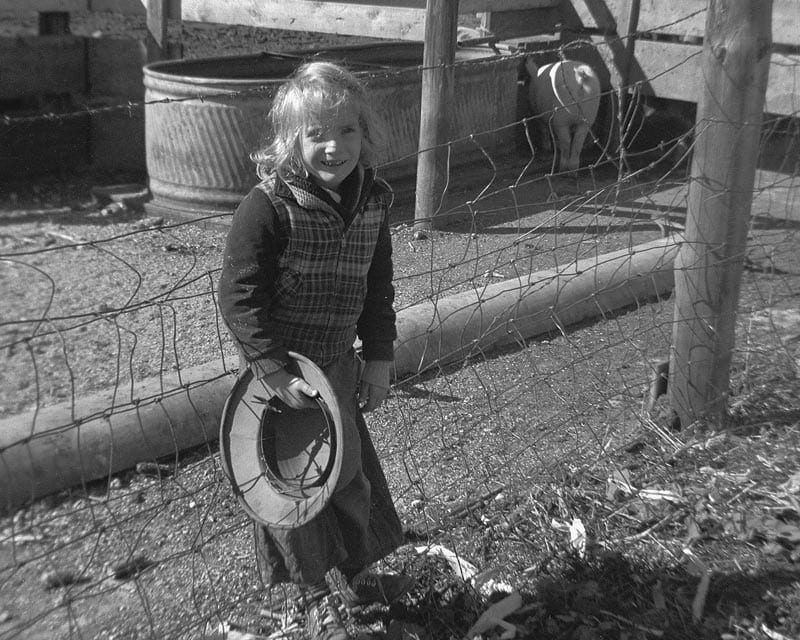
(292, 390)
(374, 384)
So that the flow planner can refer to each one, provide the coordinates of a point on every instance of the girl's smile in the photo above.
(331, 148)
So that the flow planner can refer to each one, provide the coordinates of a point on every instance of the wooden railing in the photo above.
(391, 19)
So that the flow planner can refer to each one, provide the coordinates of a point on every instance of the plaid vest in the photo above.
(322, 279)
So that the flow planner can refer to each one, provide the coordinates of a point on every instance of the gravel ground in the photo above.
(493, 457)
(166, 553)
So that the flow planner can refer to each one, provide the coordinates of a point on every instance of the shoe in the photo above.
(376, 588)
(323, 621)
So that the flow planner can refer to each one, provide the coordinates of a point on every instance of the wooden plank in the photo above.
(26, 6)
(679, 18)
(303, 15)
(682, 18)
(140, 6)
(464, 6)
(157, 39)
(129, 7)
(783, 90)
(376, 19)
(515, 24)
(672, 70)
(59, 62)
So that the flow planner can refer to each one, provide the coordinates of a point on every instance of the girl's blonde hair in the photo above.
(314, 90)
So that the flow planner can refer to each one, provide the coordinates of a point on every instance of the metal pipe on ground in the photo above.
(54, 448)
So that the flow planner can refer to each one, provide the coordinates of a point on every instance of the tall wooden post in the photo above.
(157, 41)
(436, 109)
(708, 268)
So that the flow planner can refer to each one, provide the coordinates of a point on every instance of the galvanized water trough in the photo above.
(204, 117)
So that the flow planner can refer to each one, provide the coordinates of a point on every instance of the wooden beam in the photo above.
(708, 268)
(157, 40)
(464, 6)
(127, 7)
(139, 6)
(398, 19)
(682, 18)
(438, 77)
(302, 15)
(529, 22)
(673, 70)
(26, 6)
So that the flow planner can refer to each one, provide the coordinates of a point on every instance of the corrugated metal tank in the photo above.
(204, 117)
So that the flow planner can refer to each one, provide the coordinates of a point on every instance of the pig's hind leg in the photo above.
(579, 133)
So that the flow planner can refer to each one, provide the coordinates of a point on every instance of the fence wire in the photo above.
(545, 446)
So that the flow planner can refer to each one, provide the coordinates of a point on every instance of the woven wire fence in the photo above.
(528, 443)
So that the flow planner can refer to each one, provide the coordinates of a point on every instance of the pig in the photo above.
(567, 95)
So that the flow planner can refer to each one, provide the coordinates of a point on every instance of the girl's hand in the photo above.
(374, 384)
(292, 390)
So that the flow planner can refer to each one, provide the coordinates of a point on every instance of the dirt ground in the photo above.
(502, 458)
(494, 458)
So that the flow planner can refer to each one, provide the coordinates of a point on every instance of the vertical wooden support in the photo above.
(157, 36)
(436, 109)
(626, 69)
(734, 68)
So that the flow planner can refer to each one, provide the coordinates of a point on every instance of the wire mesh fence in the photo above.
(533, 447)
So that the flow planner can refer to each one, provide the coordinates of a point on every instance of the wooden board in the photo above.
(672, 70)
(507, 25)
(464, 6)
(401, 19)
(380, 20)
(140, 6)
(682, 18)
(131, 7)
(391, 19)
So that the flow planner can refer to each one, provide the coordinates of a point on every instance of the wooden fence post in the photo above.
(157, 37)
(159, 46)
(436, 108)
(708, 268)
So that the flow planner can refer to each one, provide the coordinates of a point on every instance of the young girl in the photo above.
(308, 268)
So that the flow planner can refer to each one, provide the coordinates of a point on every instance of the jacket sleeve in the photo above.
(246, 285)
(376, 326)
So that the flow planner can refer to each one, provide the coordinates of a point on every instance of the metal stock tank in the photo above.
(204, 117)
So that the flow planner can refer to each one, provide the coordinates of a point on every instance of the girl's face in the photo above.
(331, 147)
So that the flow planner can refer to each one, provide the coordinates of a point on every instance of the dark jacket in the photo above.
(304, 273)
